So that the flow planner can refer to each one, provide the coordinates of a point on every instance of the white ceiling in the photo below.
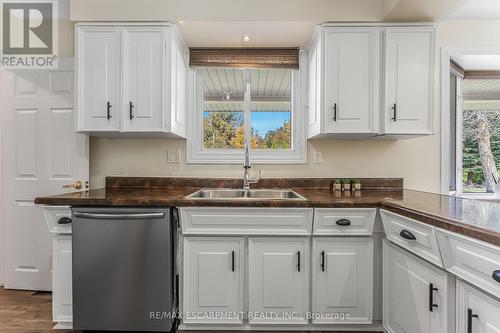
(270, 89)
(478, 9)
(478, 62)
(481, 90)
(229, 34)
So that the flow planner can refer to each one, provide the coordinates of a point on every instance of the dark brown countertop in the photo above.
(477, 219)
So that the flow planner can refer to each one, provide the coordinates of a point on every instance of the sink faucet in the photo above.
(247, 180)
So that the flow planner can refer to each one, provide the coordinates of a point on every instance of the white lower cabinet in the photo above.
(213, 280)
(418, 297)
(278, 280)
(62, 295)
(342, 280)
(476, 312)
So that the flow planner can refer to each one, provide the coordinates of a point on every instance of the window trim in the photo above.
(196, 154)
(446, 54)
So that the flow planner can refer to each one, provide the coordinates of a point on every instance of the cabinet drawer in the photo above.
(241, 221)
(344, 221)
(472, 260)
(414, 236)
(56, 218)
(476, 312)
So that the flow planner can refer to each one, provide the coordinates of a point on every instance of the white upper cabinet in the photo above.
(344, 82)
(351, 80)
(143, 95)
(371, 80)
(409, 81)
(98, 76)
(131, 78)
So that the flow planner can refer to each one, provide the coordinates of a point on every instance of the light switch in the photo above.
(317, 157)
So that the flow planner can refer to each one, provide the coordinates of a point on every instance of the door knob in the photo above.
(77, 185)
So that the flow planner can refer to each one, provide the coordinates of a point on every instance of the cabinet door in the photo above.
(409, 294)
(409, 81)
(62, 291)
(342, 280)
(278, 280)
(351, 80)
(98, 78)
(144, 72)
(476, 312)
(213, 280)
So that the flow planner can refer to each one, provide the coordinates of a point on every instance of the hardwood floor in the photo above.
(31, 312)
(25, 311)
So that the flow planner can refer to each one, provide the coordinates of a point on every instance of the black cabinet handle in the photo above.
(298, 261)
(64, 220)
(232, 261)
(432, 289)
(130, 113)
(470, 315)
(496, 275)
(108, 110)
(395, 110)
(407, 235)
(322, 265)
(334, 111)
(343, 222)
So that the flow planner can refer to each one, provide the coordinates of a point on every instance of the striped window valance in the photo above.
(244, 57)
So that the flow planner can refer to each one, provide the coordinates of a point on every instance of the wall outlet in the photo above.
(174, 156)
(317, 157)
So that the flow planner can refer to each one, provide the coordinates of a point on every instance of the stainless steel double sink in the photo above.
(240, 194)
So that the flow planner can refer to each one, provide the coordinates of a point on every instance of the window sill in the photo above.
(237, 157)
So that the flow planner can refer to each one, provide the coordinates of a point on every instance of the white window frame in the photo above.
(197, 154)
(446, 55)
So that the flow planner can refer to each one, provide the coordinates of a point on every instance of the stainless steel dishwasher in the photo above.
(123, 269)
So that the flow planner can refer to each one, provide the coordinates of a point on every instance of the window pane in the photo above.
(481, 150)
(271, 109)
(223, 112)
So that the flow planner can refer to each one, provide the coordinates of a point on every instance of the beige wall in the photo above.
(416, 160)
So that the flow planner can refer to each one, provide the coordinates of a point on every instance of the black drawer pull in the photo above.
(64, 220)
(232, 261)
(407, 235)
(322, 265)
(334, 111)
(496, 275)
(108, 110)
(432, 289)
(298, 261)
(470, 315)
(343, 222)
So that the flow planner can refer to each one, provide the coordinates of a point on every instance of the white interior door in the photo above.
(40, 154)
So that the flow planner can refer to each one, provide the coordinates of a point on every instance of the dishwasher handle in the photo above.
(121, 216)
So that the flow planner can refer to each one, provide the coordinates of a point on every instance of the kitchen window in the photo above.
(474, 132)
(232, 106)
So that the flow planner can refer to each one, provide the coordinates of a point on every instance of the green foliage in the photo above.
(226, 130)
(472, 168)
(220, 129)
